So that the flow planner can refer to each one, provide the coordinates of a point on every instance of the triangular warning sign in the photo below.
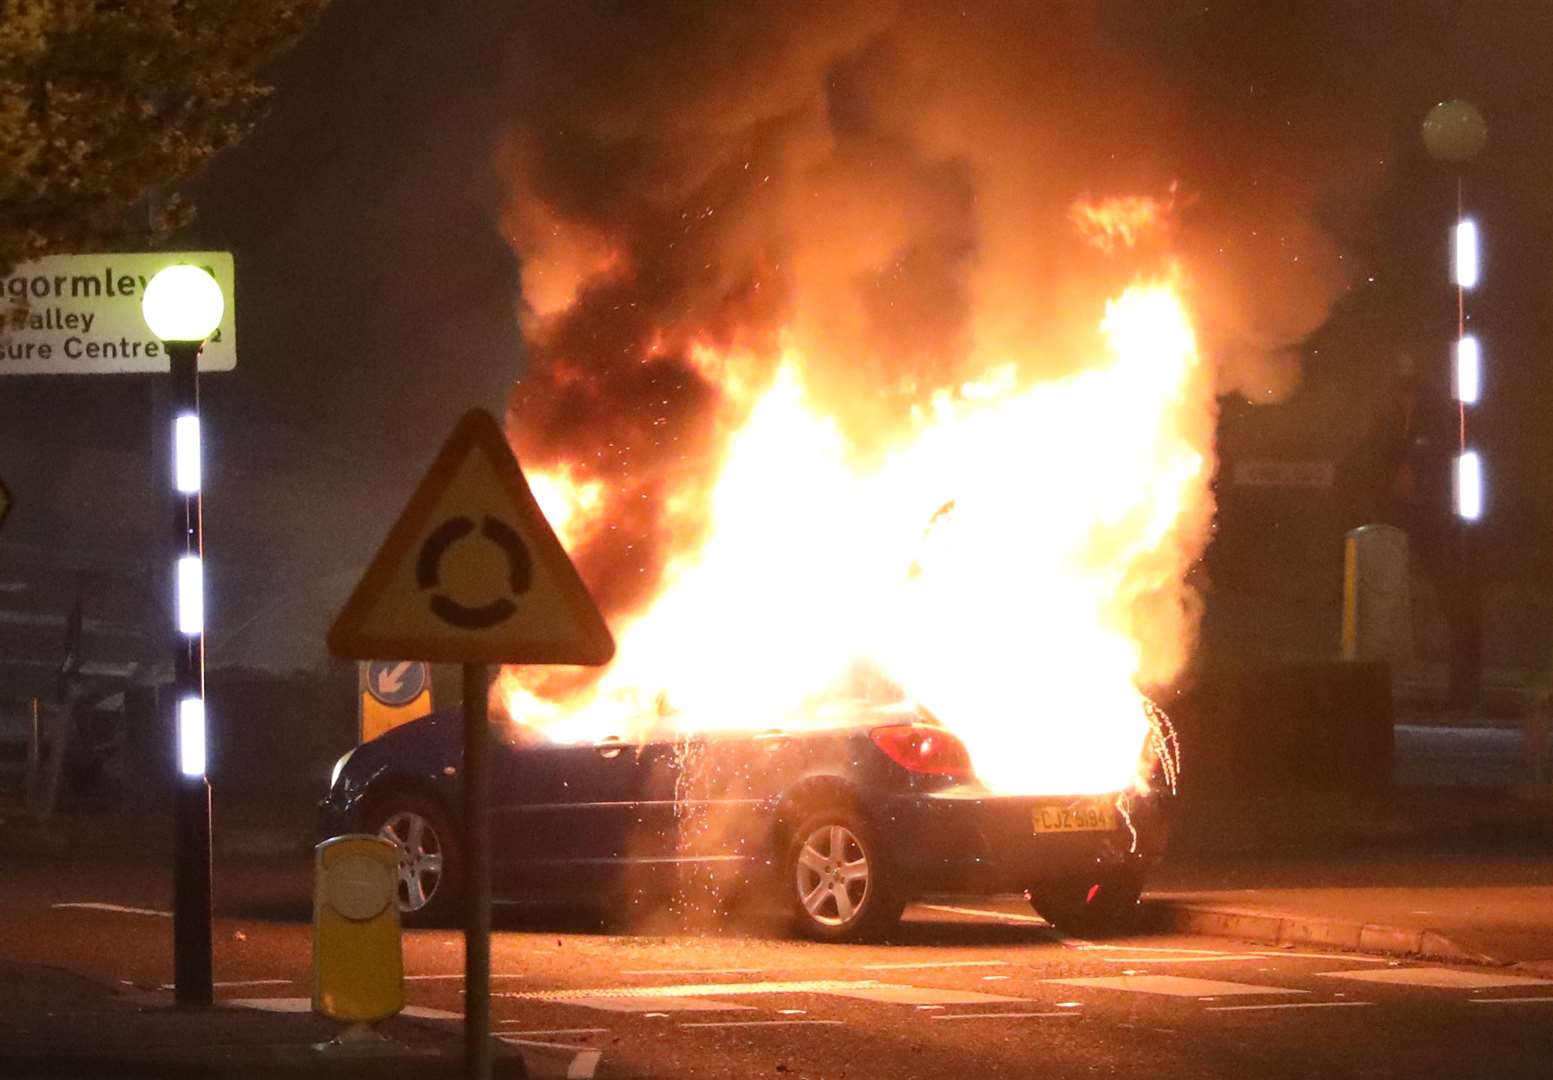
(471, 572)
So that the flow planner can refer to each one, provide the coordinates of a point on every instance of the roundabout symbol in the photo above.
(520, 572)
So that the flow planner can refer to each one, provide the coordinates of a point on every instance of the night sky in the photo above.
(379, 292)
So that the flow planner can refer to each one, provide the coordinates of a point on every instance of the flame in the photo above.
(1012, 563)
(568, 503)
(1119, 221)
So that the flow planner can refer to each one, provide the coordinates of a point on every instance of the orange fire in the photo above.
(1012, 563)
(1120, 221)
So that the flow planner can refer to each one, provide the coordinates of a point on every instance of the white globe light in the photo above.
(1455, 131)
(182, 303)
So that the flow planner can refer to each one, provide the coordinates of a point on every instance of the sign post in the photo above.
(477, 883)
(471, 573)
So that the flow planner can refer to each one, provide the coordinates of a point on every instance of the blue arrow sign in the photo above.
(397, 682)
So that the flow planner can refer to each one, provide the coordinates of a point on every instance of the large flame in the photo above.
(1011, 563)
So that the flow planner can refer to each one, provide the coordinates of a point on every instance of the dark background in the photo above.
(377, 301)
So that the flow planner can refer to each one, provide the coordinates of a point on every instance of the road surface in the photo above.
(971, 988)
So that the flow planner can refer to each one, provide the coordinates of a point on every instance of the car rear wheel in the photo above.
(838, 883)
(1094, 905)
(430, 862)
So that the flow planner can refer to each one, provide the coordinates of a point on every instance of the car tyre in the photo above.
(431, 861)
(1095, 905)
(838, 885)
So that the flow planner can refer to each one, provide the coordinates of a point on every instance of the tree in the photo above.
(106, 103)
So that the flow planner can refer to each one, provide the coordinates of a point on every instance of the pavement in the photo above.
(1453, 861)
(1494, 910)
(1458, 873)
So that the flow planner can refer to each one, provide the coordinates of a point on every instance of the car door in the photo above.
(704, 805)
(561, 814)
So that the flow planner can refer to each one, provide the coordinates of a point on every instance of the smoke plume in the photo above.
(886, 191)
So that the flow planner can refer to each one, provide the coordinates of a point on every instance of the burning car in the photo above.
(862, 656)
(843, 823)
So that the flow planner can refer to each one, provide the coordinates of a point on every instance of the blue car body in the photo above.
(585, 822)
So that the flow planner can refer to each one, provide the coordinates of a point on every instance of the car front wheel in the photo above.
(1097, 905)
(430, 862)
(838, 883)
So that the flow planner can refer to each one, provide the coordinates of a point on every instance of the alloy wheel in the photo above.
(831, 874)
(420, 857)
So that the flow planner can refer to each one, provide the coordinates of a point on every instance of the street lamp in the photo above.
(183, 305)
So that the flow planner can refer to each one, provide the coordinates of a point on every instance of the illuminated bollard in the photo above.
(358, 958)
(1378, 598)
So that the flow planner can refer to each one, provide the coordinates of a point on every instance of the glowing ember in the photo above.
(1012, 562)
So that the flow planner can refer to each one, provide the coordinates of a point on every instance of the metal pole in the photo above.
(34, 756)
(477, 873)
(192, 964)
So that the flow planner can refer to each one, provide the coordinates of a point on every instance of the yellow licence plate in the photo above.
(1075, 817)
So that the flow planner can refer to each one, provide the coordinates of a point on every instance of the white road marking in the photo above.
(93, 905)
(691, 996)
(302, 1004)
(1329, 956)
(1175, 986)
(580, 1062)
(239, 982)
(552, 1031)
(659, 1005)
(810, 986)
(1287, 1005)
(981, 914)
(996, 978)
(1507, 1001)
(271, 1004)
(1175, 959)
(460, 977)
(998, 1015)
(1091, 946)
(757, 1023)
(919, 995)
(696, 971)
(1448, 978)
(935, 964)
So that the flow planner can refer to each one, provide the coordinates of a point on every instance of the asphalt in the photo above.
(57, 1025)
(1456, 873)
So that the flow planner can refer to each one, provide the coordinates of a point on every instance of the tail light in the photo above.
(919, 748)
